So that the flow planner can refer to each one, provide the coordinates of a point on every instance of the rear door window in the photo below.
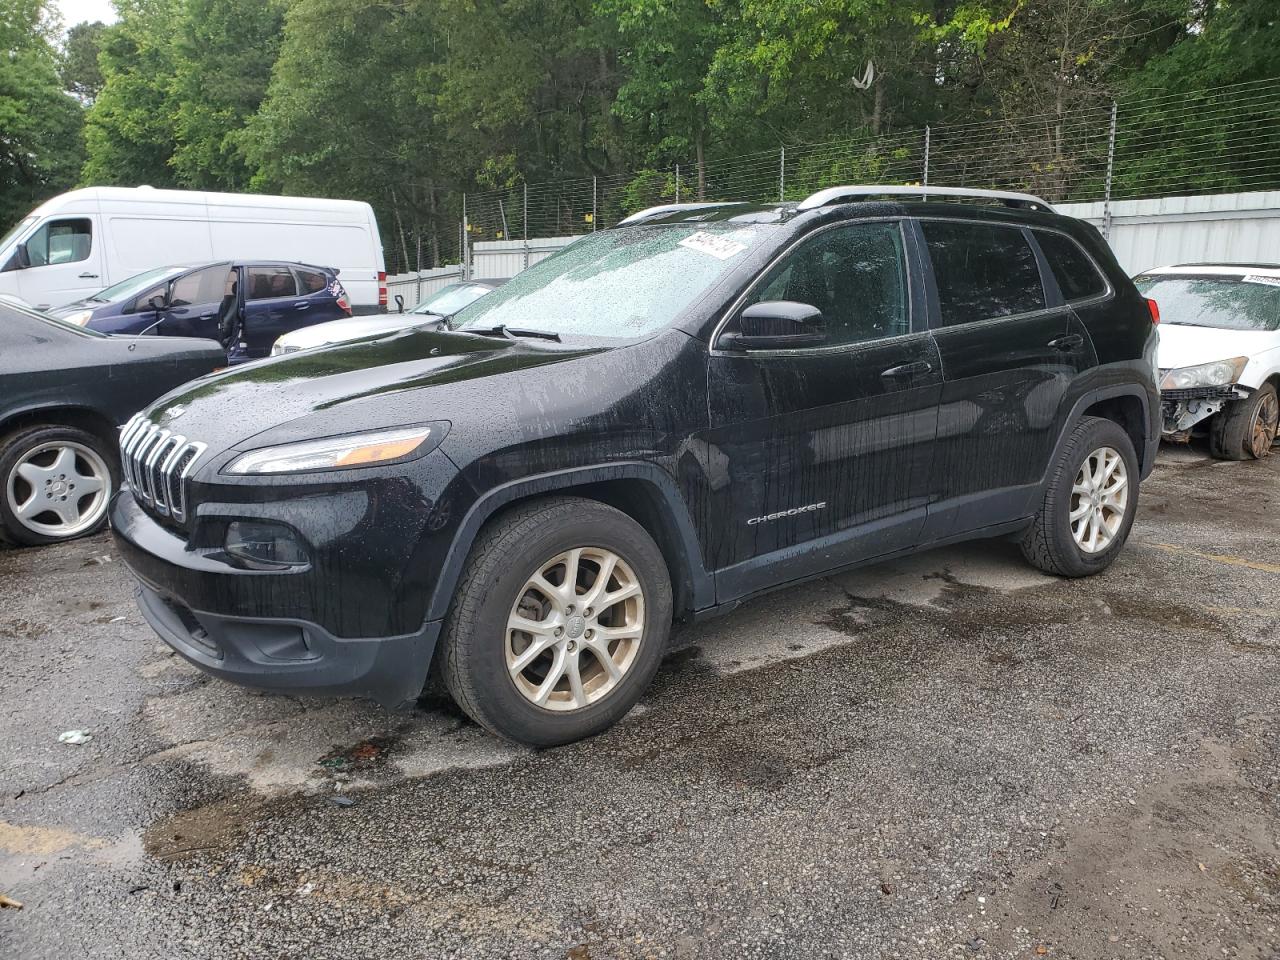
(983, 271)
(1077, 277)
(269, 282)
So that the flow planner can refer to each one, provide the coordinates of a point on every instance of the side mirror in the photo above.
(400, 302)
(777, 325)
(157, 303)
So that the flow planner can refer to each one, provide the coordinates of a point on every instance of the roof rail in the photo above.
(652, 212)
(824, 198)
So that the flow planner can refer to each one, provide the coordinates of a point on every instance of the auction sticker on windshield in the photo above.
(1256, 278)
(721, 248)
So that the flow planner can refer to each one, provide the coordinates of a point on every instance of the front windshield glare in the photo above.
(451, 299)
(617, 283)
(1224, 303)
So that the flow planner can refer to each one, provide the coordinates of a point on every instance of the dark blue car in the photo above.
(244, 305)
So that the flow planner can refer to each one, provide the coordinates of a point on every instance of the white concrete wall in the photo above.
(1228, 227)
(506, 258)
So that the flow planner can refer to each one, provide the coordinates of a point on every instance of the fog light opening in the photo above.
(263, 544)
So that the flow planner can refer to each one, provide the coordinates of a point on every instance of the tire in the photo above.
(480, 650)
(1051, 543)
(1246, 429)
(80, 473)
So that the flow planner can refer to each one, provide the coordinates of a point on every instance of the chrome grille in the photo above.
(157, 463)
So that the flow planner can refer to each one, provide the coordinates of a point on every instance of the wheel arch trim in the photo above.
(1146, 457)
(701, 584)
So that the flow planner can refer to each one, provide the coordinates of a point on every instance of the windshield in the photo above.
(1224, 303)
(618, 283)
(16, 229)
(451, 299)
(135, 285)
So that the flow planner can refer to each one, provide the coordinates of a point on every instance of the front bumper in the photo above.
(294, 654)
(1181, 410)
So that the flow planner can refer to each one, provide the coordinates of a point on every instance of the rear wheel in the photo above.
(559, 622)
(58, 483)
(1246, 429)
(1089, 503)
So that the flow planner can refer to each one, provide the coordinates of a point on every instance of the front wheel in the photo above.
(1246, 428)
(1089, 502)
(57, 481)
(559, 622)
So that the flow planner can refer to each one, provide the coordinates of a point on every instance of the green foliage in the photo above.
(79, 68)
(409, 103)
(40, 124)
(129, 132)
(226, 50)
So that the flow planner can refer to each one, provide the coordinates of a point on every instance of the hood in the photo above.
(413, 376)
(350, 328)
(1186, 346)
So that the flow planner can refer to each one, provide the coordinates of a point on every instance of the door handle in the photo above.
(913, 369)
(1067, 342)
(88, 276)
(302, 305)
(207, 316)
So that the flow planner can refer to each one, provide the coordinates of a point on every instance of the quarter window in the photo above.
(856, 275)
(266, 283)
(1077, 277)
(60, 241)
(311, 281)
(982, 271)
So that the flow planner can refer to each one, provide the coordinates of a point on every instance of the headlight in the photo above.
(79, 318)
(336, 453)
(1216, 374)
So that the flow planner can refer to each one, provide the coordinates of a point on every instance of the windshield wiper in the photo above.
(511, 333)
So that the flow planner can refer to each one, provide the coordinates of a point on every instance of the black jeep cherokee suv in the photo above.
(660, 421)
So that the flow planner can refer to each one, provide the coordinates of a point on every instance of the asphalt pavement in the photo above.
(948, 756)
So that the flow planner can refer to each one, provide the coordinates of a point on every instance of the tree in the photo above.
(79, 68)
(224, 52)
(40, 125)
(131, 127)
(346, 116)
(666, 50)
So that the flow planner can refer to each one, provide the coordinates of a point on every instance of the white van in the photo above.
(79, 242)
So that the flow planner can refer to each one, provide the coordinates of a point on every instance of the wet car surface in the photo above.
(951, 755)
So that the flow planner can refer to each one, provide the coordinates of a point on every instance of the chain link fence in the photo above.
(1206, 141)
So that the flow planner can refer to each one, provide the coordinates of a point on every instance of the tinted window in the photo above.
(60, 241)
(855, 275)
(1076, 275)
(1225, 303)
(982, 271)
(311, 281)
(268, 282)
(202, 286)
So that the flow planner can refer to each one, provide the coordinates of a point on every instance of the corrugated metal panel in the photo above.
(1228, 227)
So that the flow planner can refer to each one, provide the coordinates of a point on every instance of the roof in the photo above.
(1218, 270)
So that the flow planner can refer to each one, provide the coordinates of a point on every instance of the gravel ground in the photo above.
(951, 756)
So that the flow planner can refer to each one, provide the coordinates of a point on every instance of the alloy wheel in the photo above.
(575, 629)
(1262, 432)
(59, 489)
(1099, 498)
